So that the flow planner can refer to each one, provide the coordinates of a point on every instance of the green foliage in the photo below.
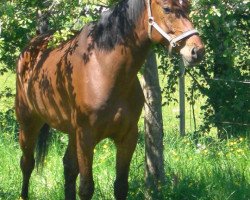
(223, 75)
(226, 32)
(19, 19)
(18, 24)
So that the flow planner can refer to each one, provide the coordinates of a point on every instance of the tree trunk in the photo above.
(153, 125)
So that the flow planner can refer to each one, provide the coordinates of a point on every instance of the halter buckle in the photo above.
(151, 21)
(173, 44)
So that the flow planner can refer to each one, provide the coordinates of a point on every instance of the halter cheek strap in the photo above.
(172, 40)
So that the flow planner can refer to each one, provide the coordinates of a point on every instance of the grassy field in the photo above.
(204, 169)
(207, 170)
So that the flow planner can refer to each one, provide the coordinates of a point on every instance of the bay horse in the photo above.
(88, 87)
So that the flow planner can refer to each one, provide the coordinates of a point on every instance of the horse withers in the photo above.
(88, 87)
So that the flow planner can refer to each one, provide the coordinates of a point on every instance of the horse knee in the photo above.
(86, 190)
(121, 189)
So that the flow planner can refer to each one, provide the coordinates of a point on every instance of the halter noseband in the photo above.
(153, 23)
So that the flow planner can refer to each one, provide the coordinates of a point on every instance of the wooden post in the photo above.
(182, 98)
(153, 124)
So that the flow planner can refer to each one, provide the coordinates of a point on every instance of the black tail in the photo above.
(43, 142)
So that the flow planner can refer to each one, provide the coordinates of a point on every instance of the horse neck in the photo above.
(136, 15)
(138, 41)
(124, 27)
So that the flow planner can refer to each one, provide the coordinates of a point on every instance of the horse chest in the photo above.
(112, 114)
(112, 119)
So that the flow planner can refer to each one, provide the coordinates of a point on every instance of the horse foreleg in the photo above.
(125, 150)
(27, 140)
(71, 169)
(85, 149)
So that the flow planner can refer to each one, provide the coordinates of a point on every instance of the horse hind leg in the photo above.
(27, 139)
(71, 169)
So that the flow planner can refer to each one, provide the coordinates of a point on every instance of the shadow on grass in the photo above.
(213, 187)
(217, 186)
(220, 188)
(7, 194)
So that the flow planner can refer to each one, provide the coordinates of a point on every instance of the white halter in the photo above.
(172, 41)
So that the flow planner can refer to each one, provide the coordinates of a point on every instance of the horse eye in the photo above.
(167, 10)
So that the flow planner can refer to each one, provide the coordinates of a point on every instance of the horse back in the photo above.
(25, 65)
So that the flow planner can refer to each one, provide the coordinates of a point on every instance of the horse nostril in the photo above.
(194, 53)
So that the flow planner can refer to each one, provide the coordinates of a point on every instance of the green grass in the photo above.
(210, 170)
(7, 83)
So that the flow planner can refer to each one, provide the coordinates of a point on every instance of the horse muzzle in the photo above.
(192, 55)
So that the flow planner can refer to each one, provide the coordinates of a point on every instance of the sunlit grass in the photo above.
(206, 169)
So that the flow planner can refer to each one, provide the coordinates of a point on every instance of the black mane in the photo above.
(116, 25)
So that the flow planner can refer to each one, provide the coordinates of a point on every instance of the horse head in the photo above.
(168, 23)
